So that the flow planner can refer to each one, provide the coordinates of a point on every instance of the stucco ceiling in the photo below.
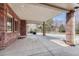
(38, 12)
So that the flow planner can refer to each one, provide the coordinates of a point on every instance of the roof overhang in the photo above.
(39, 12)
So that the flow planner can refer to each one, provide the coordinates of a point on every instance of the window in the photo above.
(9, 24)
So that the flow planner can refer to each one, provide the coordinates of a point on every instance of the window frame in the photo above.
(11, 21)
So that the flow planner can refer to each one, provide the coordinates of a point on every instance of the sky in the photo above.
(77, 16)
(60, 19)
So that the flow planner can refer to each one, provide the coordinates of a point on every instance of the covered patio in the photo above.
(39, 13)
(21, 14)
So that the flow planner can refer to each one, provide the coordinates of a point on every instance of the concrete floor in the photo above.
(38, 45)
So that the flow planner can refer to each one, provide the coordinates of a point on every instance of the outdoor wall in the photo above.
(1, 24)
(6, 38)
(22, 27)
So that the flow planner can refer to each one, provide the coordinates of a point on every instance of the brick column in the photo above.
(44, 31)
(2, 33)
(70, 28)
(22, 28)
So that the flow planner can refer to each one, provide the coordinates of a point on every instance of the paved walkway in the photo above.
(38, 45)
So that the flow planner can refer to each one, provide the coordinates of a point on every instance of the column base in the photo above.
(69, 43)
(21, 37)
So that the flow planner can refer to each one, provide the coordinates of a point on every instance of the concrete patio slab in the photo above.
(38, 45)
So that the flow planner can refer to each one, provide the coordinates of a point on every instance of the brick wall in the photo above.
(7, 38)
(22, 27)
(1, 24)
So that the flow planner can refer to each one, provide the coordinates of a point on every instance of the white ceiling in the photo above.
(67, 6)
(37, 12)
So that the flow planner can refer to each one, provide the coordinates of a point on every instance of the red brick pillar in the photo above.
(2, 29)
(70, 28)
(22, 28)
(44, 31)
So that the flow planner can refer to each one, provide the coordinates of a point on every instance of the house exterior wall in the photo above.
(1, 24)
(12, 36)
(22, 27)
(6, 38)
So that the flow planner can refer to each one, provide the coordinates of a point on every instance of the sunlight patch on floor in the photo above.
(59, 42)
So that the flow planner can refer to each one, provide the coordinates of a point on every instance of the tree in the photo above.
(77, 28)
(62, 28)
(48, 24)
